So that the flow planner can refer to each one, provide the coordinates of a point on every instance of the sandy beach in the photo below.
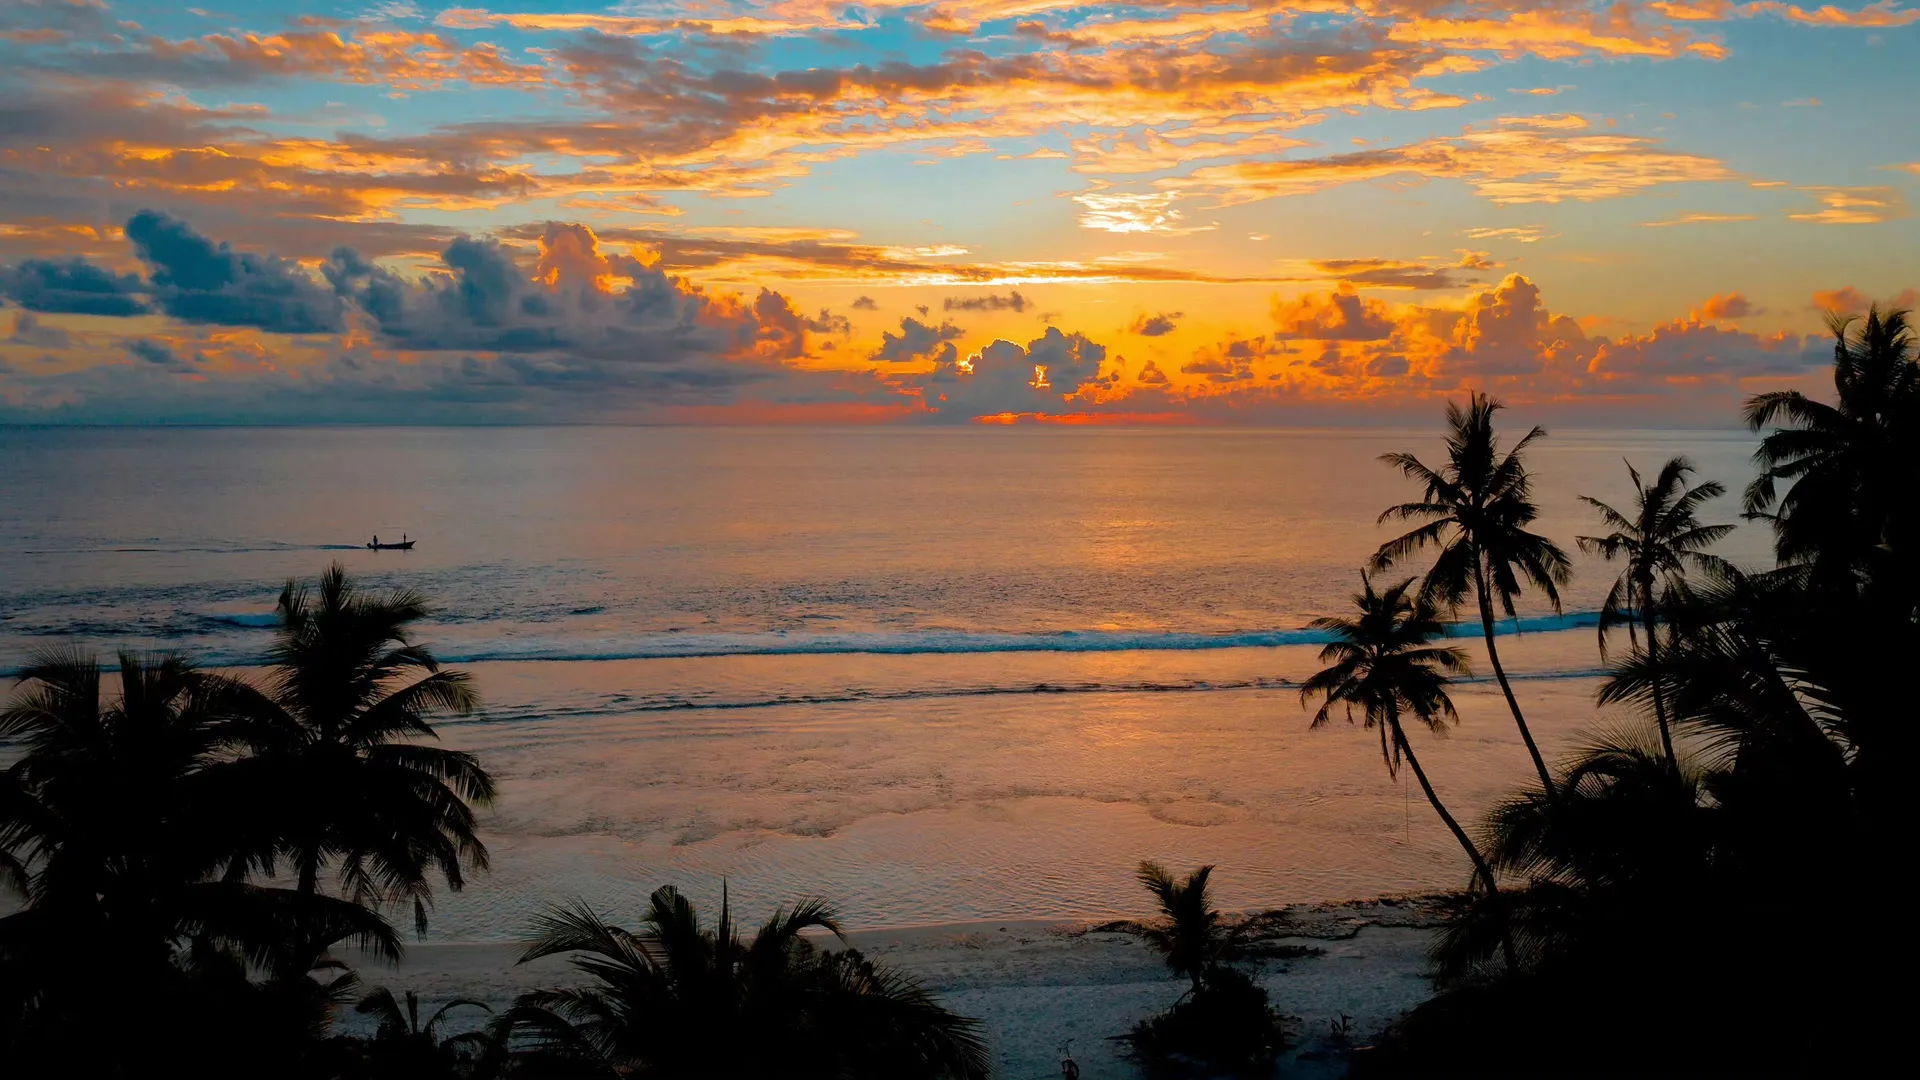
(1038, 984)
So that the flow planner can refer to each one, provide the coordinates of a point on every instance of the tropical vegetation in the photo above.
(1223, 1020)
(678, 999)
(1681, 892)
(188, 854)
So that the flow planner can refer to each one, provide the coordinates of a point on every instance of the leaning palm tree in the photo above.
(1847, 464)
(676, 999)
(1476, 510)
(1383, 664)
(351, 700)
(1660, 539)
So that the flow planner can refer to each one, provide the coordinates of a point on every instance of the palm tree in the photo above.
(1659, 542)
(676, 999)
(116, 822)
(1383, 664)
(338, 751)
(403, 1047)
(1476, 510)
(1224, 1018)
(1848, 463)
(1189, 934)
(1630, 833)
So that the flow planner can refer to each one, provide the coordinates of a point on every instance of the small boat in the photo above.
(404, 544)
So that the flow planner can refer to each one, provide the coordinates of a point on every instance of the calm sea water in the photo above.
(934, 675)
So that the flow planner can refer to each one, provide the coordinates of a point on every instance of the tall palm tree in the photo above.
(1383, 664)
(1660, 538)
(676, 999)
(1848, 464)
(1476, 510)
(339, 751)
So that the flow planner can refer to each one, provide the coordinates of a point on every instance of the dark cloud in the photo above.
(865, 303)
(918, 341)
(28, 331)
(1395, 274)
(1151, 375)
(1155, 325)
(1691, 350)
(563, 324)
(1004, 377)
(990, 302)
(829, 323)
(197, 281)
(159, 354)
(1342, 315)
(74, 287)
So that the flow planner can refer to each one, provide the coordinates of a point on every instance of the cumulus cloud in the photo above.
(990, 302)
(1151, 375)
(1725, 306)
(1690, 350)
(195, 280)
(829, 323)
(1155, 325)
(1507, 330)
(72, 286)
(1342, 315)
(1006, 378)
(1848, 300)
(918, 341)
(865, 303)
(591, 317)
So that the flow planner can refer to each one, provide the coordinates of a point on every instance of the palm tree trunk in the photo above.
(1659, 681)
(1500, 674)
(1480, 867)
(310, 872)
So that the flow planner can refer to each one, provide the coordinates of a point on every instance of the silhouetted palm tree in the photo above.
(1190, 933)
(337, 750)
(676, 999)
(1660, 539)
(1384, 664)
(116, 820)
(1849, 464)
(404, 1048)
(1629, 833)
(1476, 510)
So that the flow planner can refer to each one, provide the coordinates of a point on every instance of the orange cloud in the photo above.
(1698, 219)
(1854, 206)
(1517, 160)
(1725, 306)
(1848, 300)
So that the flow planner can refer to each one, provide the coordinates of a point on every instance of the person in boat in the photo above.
(376, 541)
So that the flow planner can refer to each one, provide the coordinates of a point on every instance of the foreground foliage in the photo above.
(678, 999)
(146, 815)
(1224, 1019)
(1687, 896)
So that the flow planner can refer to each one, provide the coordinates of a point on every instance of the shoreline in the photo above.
(1036, 983)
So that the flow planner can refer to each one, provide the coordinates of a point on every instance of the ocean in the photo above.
(932, 675)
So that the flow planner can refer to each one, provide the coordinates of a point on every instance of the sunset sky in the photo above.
(822, 211)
